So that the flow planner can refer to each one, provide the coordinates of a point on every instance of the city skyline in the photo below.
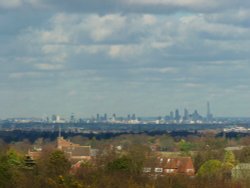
(147, 57)
(176, 113)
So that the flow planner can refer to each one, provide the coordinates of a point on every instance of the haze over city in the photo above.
(146, 57)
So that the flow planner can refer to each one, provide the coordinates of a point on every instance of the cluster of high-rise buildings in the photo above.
(175, 117)
(194, 117)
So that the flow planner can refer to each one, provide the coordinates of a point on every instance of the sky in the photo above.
(124, 56)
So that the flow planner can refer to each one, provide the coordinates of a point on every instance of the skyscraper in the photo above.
(98, 117)
(177, 115)
(105, 117)
(186, 114)
(129, 117)
(133, 117)
(72, 118)
(209, 114)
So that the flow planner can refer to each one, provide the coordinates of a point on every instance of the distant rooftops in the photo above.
(173, 165)
(75, 151)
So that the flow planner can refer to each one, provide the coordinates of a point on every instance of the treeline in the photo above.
(122, 168)
(18, 135)
(32, 136)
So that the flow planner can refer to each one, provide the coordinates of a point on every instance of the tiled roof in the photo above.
(78, 150)
(180, 165)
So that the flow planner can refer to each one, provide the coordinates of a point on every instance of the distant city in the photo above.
(174, 117)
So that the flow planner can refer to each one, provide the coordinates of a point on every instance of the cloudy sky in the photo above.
(125, 56)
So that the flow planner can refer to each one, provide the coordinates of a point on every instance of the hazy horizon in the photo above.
(146, 57)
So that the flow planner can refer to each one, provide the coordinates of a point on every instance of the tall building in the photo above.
(56, 119)
(97, 117)
(177, 115)
(133, 117)
(105, 117)
(72, 118)
(186, 114)
(129, 117)
(209, 114)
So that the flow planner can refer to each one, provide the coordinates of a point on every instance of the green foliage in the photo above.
(244, 156)
(125, 164)
(86, 164)
(57, 164)
(167, 143)
(210, 168)
(11, 164)
(14, 158)
(5, 174)
(206, 155)
(123, 169)
(121, 164)
(229, 160)
(185, 147)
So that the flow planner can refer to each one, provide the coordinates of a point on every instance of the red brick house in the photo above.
(171, 166)
(75, 152)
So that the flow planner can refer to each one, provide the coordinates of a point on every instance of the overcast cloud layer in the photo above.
(125, 56)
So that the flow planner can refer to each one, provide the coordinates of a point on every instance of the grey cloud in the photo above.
(124, 6)
(117, 51)
(238, 17)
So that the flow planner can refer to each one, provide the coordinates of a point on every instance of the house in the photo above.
(75, 152)
(234, 148)
(76, 166)
(241, 171)
(35, 153)
(171, 166)
(87, 166)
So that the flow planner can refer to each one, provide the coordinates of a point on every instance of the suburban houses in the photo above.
(171, 166)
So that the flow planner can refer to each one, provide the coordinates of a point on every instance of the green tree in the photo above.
(5, 174)
(126, 165)
(58, 164)
(210, 168)
(167, 143)
(14, 158)
(138, 153)
(184, 146)
(244, 156)
(123, 163)
(207, 154)
(229, 159)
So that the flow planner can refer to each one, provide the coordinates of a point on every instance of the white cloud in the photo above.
(149, 19)
(103, 27)
(125, 51)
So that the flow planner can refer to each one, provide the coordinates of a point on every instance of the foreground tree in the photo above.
(244, 156)
(229, 159)
(57, 164)
(211, 168)
(5, 173)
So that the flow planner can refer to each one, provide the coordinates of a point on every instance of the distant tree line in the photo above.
(19, 135)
